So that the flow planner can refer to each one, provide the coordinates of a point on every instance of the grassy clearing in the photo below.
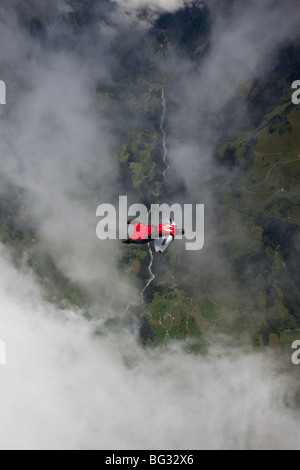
(137, 153)
(280, 132)
(173, 315)
(287, 337)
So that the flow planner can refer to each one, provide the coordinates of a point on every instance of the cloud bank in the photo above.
(155, 5)
(73, 383)
(65, 388)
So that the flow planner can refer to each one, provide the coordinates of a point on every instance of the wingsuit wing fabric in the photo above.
(141, 231)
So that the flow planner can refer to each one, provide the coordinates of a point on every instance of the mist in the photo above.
(78, 381)
(206, 106)
(65, 388)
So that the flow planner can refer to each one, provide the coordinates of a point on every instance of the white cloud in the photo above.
(65, 388)
(162, 5)
(146, 12)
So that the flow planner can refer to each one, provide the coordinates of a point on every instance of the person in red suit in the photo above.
(163, 235)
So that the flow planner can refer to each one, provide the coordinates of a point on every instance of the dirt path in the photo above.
(275, 164)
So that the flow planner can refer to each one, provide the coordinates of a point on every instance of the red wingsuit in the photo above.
(144, 233)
